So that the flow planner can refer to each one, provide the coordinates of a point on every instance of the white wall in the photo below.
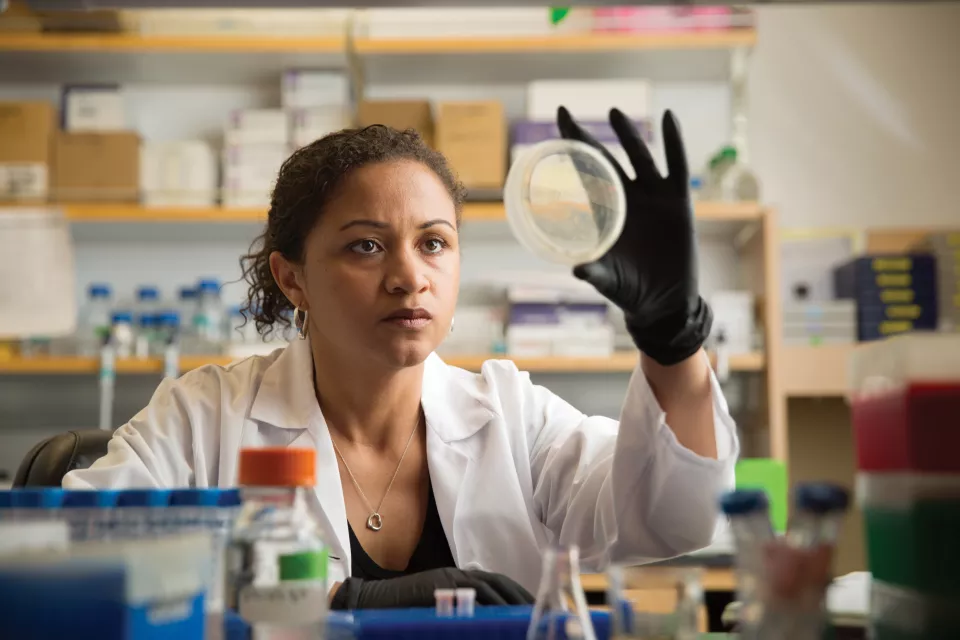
(855, 113)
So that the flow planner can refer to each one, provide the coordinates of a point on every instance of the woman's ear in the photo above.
(289, 277)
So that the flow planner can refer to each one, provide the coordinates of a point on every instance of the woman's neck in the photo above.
(365, 404)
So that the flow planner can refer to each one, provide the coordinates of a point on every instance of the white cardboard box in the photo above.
(93, 109)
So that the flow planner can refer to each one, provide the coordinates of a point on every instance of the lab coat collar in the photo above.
(453, 400)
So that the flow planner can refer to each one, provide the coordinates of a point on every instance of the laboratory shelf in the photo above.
(134, 42)
(820, 371)
(573, 43)
(618, 363)
(734, 212)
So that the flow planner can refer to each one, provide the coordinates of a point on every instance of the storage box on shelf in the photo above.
(945, 248)
(96, 167)
(905, 405)
(26, 142)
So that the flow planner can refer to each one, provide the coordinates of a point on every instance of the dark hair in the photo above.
(307, 181)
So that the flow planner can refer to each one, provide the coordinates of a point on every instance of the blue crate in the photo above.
(865, 278)
(488, 623)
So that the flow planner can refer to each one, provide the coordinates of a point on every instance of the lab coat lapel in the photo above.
(286, 399)
(454, 414)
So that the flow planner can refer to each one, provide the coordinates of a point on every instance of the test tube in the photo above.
(819, 509)
(139, 513)
(6, 505)
(36, 504)
(444, 599)
(466, 601)
(86, 512)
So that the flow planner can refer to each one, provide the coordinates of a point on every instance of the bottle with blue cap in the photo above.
(93, 328)
(122, 334)
(146, 334)
(166, 344)
(140, 513)
(748, 511)
(208, 321)
(87, 513)
(42, 503)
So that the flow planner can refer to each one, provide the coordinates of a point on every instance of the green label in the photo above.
(305, 565)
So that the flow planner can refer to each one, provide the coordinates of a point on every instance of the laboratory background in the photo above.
(138, 148)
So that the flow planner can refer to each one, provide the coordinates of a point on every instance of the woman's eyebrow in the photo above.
(431, 223)
(364, 223)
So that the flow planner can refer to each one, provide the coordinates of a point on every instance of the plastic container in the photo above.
(561, 608)
(276, 563)
(146, 335)
(140, 513)
(912, 525)
(93, 330)
(565, 202)
(122, 335)
(748, 511)
(36, 504)
(208, 320)
(905, 404)
(89, 513)
(902, 614)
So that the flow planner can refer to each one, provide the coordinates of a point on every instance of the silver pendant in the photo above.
(374, 522)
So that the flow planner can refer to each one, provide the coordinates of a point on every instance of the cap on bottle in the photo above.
(148, 293)
(743, 501)
(99, 291)
(277, 467)
(821, 497)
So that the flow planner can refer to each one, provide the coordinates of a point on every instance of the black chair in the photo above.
(47, 462)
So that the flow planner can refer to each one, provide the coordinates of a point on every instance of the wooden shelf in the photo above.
(558, 43)
(618, 363)
(573, 43)
(816, 371)
(136, 43)
(472, 211)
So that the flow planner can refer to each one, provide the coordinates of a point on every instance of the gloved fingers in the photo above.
(643, 163)
(678, 174)
(511, 591)
(570, 130)
(599, 275)
(486, 593)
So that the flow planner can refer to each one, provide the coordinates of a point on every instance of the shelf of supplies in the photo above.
(558, 43)
(472, 211)
(712, 579)
(816, 371)
(136, 43)
(617, 363)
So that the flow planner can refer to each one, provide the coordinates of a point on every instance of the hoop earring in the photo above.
(300, 322)
(453, 322)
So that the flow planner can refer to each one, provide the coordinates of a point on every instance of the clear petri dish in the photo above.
(565, 202)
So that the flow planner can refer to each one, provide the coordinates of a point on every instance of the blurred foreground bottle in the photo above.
(561, 609)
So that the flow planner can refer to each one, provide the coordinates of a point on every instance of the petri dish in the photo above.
(565, 202)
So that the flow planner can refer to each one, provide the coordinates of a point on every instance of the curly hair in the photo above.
(307, 181)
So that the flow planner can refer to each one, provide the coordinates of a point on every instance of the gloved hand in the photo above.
(416, 590)
(651, 271)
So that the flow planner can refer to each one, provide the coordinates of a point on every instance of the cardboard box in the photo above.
(96, 167)
(93, 108)
(26, 133)
(399, 114)
(473, 137)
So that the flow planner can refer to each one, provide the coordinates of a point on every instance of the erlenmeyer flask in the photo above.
(560, 612)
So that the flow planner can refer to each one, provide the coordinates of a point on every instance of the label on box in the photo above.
(288, 603)
(23, 180)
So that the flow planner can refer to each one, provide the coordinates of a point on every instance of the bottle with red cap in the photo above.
(276, 564)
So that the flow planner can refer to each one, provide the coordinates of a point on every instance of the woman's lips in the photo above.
(409, 318)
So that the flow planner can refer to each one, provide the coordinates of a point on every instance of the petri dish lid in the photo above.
(565, 202)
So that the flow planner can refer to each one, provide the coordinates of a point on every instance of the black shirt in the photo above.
(432, 550)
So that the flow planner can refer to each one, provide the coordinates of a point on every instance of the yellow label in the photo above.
(892, 264)
(895, 326)
(894, 280)
(889, 296)
(904, 312)
(953, 239)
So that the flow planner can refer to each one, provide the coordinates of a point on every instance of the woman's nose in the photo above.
(405, 273)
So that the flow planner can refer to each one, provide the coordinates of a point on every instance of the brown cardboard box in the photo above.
(101, 167)
(26, 133)
(399, 114)
(473, 137)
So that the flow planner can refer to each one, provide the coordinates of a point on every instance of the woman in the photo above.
(431, 476)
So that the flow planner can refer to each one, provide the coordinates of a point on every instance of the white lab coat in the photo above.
(514, 468)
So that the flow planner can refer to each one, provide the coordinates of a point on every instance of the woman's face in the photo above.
(381, 268)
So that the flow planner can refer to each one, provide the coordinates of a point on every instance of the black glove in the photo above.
(651, 271)
(416, 590)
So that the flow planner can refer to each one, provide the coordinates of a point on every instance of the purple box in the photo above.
(546, 313)
(529, 132)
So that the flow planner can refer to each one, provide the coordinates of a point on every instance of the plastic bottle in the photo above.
(36, 503)
(276, 563)
(93, 329)
(208, 321)
(735, 181)
(749, 514)
(148, 300)
(146, 335)
(561, 609)
(140, 513)
(122, 335)
(88, 513)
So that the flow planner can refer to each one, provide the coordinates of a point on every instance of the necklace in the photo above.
(375, 520)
